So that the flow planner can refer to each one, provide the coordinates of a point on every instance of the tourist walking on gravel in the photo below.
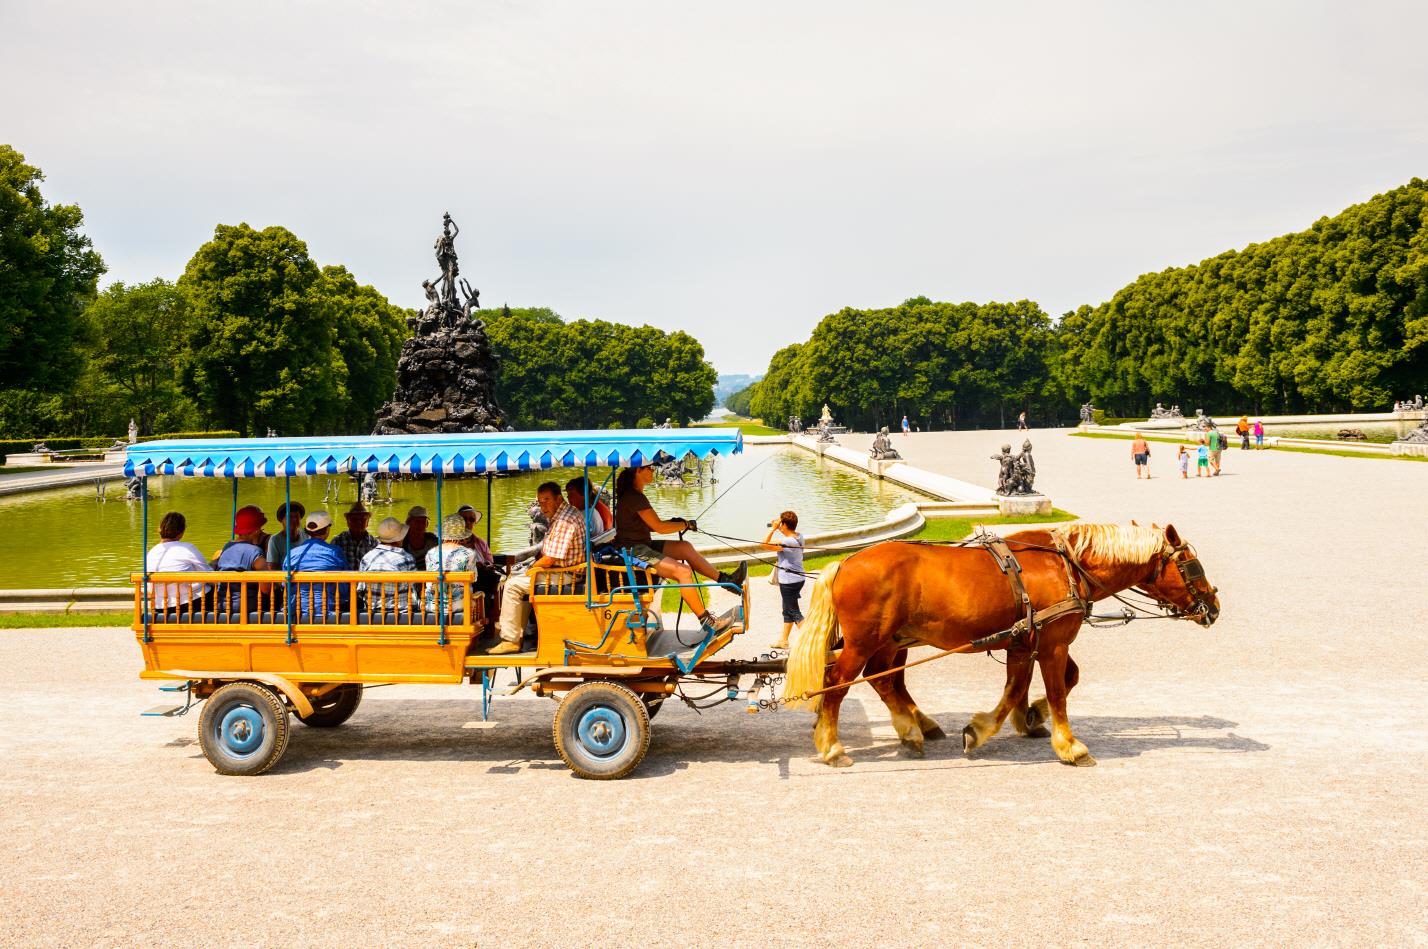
(1258, 434)
(1021, 422)
(1140, 454)
(1202, 459)
(1217, 446)
(1242, 429)
(1183, 460)
(788, 571)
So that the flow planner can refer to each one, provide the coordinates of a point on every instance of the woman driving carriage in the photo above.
(635, 524)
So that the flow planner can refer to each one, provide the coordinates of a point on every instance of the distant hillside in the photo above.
(729, 383)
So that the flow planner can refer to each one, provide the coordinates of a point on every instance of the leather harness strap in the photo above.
(1035, 619)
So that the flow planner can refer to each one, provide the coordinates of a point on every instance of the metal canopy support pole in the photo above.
(144, 496)
(441, 596)
(235, 507)
(289, 601)
(489, 478)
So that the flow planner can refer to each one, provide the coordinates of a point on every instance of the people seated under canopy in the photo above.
(563, 546)
(315, 554)
(635, 524)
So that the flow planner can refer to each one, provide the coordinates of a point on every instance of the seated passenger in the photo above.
(488, 578)
(457, 553)
(419, 540)
(354, 542)
(172, 555)
(636, 520)
(472, 517)
(244, 552)
(290, 516)
(388, 556)
(564, 546)
(315, 554)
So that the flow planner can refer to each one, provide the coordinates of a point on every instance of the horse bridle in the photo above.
(1191, 574)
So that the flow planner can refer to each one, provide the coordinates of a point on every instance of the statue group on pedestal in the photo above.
(1161, 412)
(1405, 406)
(1088, 413)
(882, 449)
(1017, 472)
(795, 424)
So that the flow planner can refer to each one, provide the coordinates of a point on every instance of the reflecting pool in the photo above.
(67, 538)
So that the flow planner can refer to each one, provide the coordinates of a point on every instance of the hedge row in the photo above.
(23, 446)
(154, 438)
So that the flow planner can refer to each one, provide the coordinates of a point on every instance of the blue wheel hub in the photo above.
(240, 730)
(601, 731)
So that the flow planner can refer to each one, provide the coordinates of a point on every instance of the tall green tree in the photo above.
(138, 335)
(263, 348)
(48, 273)
(369, 336)
(595, 374)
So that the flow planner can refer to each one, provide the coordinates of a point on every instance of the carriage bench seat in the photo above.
(389, 618)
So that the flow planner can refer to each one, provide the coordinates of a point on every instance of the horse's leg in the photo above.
(1057, 676)
(904, 717)
(986, 724)
(1028, 720)
(848, 666)
(1039, 712)
(931, 731)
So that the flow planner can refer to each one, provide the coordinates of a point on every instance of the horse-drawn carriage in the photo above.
(602, 647)
(601, 644)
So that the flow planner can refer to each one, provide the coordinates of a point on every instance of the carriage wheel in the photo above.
(335, 707)
(243, 729)
(601, 730)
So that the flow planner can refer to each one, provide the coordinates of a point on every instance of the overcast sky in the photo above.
(736, 170)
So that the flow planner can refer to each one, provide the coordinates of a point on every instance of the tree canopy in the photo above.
(48, 274)
(277, 342)
(941, 364)
(1328, 319)
(594, 374)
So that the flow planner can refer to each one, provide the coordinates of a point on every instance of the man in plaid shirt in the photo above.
(388, 556)
(564, 546)
(354, 542)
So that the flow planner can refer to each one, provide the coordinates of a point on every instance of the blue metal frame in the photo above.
(147, 605)
(289, 601)
(441, 594)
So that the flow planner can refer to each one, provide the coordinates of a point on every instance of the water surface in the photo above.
(67, 538)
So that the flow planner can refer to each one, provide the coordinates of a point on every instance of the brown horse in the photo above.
(895, 595)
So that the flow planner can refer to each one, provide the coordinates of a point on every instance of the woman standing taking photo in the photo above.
(785, 538)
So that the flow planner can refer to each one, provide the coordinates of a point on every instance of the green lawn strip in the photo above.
(1345, 454)
(935, 529)
(747, 426)
(55, 620)
(1190, 440)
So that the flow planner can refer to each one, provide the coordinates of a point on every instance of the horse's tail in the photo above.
(809, 655)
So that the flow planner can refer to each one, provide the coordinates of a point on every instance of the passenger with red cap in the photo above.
(243, 552)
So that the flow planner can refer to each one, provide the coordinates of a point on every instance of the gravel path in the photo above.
(1259, 782)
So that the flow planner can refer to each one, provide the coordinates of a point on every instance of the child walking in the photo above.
(1202, 460)
(1183, 458)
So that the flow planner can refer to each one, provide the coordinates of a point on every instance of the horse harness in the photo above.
(1030, 625)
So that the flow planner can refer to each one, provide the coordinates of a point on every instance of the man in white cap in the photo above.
(316, 553)
(354, 542)
(388, 556)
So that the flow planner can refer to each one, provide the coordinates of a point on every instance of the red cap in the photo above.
(248, 520)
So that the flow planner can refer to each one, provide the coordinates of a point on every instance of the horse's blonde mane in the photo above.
(1115, 543)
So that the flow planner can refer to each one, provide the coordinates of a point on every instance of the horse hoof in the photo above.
(912, 749)
(841, 761)
(969, 739)
(1085, 761)
(933, 734)
(1038, 731)
(1036, 714)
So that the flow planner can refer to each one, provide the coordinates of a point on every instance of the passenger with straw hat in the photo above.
(388, 556)
(456, 554)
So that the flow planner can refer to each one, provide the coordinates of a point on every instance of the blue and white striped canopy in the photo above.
(475, 453)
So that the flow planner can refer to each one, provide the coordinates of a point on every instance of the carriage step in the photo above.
(165, 711)
(180, 687)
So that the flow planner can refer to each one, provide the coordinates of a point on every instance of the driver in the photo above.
(635, 524)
